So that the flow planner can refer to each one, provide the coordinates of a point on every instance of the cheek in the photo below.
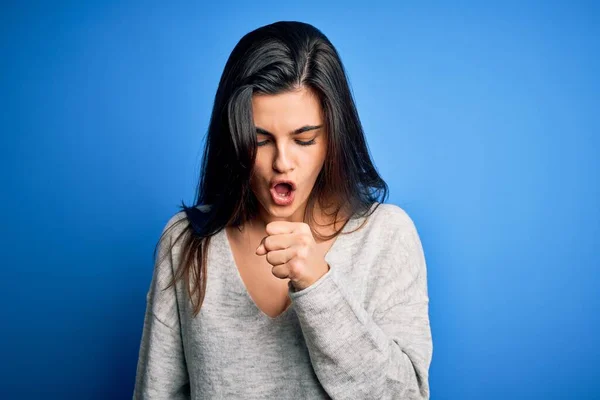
(313, 162)
(259, 164)
(259, 171)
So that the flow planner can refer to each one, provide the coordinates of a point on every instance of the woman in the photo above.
(290, 278)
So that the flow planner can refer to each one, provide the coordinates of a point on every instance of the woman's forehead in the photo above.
(285, 112)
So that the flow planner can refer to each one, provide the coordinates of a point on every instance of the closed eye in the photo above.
(300, 142)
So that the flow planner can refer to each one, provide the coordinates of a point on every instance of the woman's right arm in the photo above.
(162, 370)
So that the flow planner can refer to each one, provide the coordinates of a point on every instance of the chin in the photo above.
(278, 211)
(281, 211)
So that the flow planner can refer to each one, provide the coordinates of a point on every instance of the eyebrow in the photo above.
(295, 132)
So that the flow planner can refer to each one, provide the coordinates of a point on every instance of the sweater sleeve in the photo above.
(383, 354)
(161, 368)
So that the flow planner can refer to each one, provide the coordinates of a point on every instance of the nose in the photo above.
(283, 161)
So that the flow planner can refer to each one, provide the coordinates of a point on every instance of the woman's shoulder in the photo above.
(387, 224)
(396, 215)
(181, 215)
(399, 231)
(174, 221)
(390, 217)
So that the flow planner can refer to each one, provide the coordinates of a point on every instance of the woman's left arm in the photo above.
(384, 354)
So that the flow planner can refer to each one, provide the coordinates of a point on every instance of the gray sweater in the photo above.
(360, 332)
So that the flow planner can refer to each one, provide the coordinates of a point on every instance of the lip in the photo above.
(282, 201)
(278, 181)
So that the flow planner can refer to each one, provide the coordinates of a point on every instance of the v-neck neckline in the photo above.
(224, 240)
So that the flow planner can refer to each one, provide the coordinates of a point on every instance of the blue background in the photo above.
(482, 118)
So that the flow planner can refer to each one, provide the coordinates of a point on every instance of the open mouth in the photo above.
(282, 193)
(283, 189)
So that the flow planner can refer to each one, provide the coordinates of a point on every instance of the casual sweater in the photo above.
(359, 332)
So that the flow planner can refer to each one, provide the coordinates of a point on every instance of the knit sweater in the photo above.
(359, 332)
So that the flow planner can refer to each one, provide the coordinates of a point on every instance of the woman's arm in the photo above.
(384, 354)
(161, 369)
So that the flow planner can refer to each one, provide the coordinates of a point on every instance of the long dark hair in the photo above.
(276, 58)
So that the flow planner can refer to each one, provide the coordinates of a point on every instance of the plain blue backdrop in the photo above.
(482, 118)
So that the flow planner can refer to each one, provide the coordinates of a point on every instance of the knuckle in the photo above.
(304, 240)
(293, 267)
(303, 252)
(270, 258)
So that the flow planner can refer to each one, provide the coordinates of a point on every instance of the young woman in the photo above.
(289, 278)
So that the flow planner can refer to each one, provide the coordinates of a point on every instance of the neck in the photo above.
(322, 224)
(264, 217)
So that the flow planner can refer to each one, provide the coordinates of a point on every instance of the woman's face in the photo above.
(291, 145)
